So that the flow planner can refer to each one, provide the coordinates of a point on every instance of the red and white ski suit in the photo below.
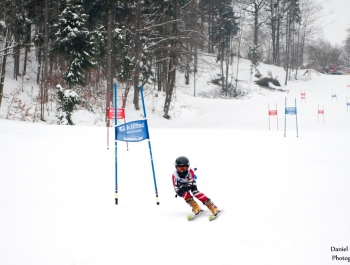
(188, 181)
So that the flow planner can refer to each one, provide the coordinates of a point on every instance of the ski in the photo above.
(213, 217)
(194, 216)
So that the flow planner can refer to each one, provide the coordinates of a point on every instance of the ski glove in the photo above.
(180, 192)
(183, 189)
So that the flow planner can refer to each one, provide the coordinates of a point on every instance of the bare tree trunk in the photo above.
(159, 74)
(188, 63)
(288, 37)
(109, 88)
(227, 66)
(39, 65)
(195, 63)
(222, 56)
(44, 96)
(165, 72)
(136, 100)
(256, 25)
(210, 27)
(278, 34)
(25, 61)
(195, 68)
(3, 68)
(161, 55)
(278, 58)
(42, 88)
(27, 49)
(297, 54)
(273, 8)
(16, 55)
(172, 65)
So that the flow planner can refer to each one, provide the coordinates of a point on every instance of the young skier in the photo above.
(185, 184)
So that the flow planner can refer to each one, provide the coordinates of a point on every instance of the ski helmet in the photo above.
(182, 161)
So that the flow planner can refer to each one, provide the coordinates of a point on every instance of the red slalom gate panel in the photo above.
(120, 113)
(272, 112)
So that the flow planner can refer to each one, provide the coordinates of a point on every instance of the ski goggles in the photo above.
(182, 168)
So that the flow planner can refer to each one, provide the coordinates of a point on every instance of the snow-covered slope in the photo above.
(285, 198)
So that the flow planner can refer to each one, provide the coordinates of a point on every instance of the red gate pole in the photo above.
(268, 109)
(323, 114)
(319, 112)
(276, 116)
(107, 122)
(272, 113)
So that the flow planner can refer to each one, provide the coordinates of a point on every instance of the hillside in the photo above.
(20, 96)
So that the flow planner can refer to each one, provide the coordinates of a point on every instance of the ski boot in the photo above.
(211, 206)
(195, 207)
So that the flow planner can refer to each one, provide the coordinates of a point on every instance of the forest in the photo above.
(87, 45)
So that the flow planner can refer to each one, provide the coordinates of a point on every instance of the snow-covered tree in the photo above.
(68, 99)
(254, 55)
(75, 42)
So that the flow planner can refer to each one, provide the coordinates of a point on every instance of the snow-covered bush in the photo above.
(68, 99)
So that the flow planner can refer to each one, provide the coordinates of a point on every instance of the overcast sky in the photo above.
(338, 15)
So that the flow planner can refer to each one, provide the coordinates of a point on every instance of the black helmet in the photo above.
(182, 161)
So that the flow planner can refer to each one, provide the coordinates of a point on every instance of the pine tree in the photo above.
(75, 43)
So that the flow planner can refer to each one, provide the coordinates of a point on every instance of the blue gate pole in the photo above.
(285, 117)
(296, 116)
(115, 142)
(149, 147)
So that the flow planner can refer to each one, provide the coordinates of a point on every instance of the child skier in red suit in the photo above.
(185, 184)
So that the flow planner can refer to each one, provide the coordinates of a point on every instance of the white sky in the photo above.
(338, 19)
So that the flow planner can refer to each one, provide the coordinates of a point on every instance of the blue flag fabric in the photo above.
(134, 131)
(291, 110)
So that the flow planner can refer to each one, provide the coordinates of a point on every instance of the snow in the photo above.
(286, 199)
